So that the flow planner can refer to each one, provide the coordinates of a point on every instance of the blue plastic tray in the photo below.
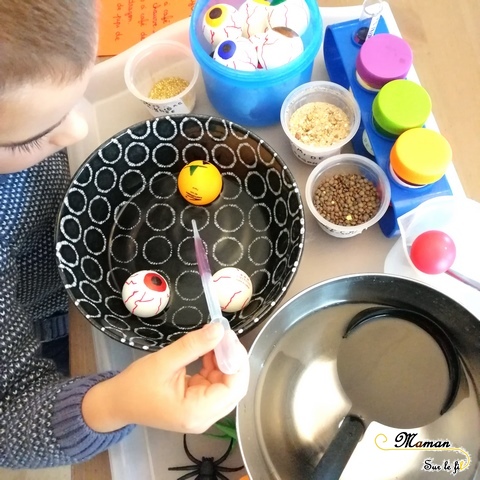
(340, 52)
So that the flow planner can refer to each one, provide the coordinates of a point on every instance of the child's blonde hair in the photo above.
(46, 40)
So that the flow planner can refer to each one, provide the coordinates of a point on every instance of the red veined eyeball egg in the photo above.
(253, 17)
(233, 288)
(146, 293)
(221, 22)
(277, 47)
(293, 14)
(239, 54)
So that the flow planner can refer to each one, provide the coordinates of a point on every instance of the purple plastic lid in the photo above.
(382, 58)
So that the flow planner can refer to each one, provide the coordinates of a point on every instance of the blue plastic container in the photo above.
(253, 98)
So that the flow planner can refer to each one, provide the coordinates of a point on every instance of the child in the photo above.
(47, 50)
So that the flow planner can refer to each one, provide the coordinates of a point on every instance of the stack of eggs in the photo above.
(259, 34)
(263, 50)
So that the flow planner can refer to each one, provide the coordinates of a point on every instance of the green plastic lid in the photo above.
(401, 105)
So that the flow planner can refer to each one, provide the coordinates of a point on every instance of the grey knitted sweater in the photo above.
(40, 412)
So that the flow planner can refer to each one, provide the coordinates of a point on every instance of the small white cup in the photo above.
(319, 91)
(151, 63)
(347, 163)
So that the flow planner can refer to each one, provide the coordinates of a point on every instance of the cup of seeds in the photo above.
(163, 76)
(319, 118)
(347, 194)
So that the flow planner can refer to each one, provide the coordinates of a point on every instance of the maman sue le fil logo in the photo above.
(432, 463)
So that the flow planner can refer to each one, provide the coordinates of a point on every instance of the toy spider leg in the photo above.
(207, 468)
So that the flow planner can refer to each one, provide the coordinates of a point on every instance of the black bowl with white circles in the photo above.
(123, 213)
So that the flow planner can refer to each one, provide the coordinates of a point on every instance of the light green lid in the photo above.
(401, 105)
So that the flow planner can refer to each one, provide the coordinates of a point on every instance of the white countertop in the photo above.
(147, 453)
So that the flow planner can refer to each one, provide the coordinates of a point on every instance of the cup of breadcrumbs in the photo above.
(347, 194)
(163, 76)
(319, 118)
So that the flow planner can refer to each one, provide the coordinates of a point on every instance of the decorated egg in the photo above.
(200, 182)
(146, 293)
(253, 17)
(277, 47)
(233, 288)
(293, 14)
(239, 54)
(221, 22)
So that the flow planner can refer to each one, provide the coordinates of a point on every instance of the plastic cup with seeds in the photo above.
(347, 194)
(163, 76)
(319, 118)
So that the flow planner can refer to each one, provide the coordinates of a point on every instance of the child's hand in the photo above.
(156, 391)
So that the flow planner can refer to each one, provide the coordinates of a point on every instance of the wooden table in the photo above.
(444, 37)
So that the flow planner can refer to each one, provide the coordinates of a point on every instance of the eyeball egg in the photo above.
(253, 17)
(221, 22)
(277, 47)
(233, 288)
(200, 182)
(293, 14)
(146, 293)
(239, 54)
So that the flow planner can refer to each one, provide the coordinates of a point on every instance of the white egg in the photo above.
(277, 47)
(239, 54)
(233, 288)
(221, 22)
(253, 17)
(293, 14)
(146, 293)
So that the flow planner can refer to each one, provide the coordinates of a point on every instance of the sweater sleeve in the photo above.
(42, 424)
(78, 441)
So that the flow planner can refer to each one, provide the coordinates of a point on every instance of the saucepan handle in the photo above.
(336, 457)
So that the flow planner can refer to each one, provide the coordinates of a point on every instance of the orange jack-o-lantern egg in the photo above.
(200, 182)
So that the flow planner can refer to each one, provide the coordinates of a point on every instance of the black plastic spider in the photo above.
(207, 468)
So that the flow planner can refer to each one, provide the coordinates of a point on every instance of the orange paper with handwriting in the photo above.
(124, 23)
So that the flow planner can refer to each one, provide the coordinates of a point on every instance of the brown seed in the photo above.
(346, 199)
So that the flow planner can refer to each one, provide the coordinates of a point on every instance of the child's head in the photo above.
(47, 50)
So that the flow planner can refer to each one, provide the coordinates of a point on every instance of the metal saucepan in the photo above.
(306, 378)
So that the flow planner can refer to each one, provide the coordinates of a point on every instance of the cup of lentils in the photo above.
(347, 194)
